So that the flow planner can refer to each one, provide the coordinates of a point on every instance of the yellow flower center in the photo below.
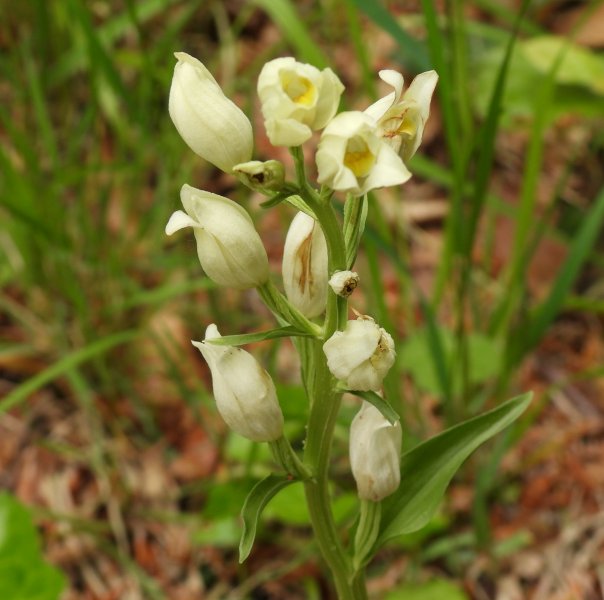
(299, 89)
(358, 158)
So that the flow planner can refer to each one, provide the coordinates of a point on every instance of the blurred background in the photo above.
(119, 479)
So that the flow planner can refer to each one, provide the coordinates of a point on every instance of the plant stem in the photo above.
(325, 402)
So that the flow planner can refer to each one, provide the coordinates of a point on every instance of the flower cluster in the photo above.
(357, 152)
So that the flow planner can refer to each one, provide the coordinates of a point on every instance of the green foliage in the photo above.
(257, 499)
(427, 469)
(24, 575)
(435, 589)
(417, 359)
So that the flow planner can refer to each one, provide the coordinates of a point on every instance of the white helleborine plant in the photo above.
(401, 118)
(211, 124)
(352, 156)
(361, 355)
(375, 453)
(305, 269)
(229, 248)
(296, 99)
(244, 392)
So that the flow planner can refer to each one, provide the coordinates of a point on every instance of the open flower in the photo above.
(296, 99)
(401, 117)
(375, 453)
(361, 355)
(211, 125)
(305, 266)
(229, 248)
(244, 392)
(353, 157)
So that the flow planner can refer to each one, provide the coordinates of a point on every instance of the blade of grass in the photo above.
(285, 16)
(63, 366)
(580, 249)
(413, 51)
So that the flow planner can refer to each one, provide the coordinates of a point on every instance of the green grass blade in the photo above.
(486, 139)
(413, 51)
(285, 16)
(62, 366)
(579, 251)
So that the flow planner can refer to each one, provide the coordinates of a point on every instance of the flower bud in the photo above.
(375, 453)
(211, 125)
(361, 355)
(264, 177)
(401, 117)
(229, 248)
(296, 99)
(305, 266)
(343, 283)
(352, 157)
(244, 392)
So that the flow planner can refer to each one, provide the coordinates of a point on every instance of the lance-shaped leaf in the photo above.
(254, 504)
(380, 403)
(250, 338)
(427, 469)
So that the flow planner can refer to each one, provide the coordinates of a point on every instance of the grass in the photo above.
(90, 168)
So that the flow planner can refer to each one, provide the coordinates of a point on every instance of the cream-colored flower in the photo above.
(343, 283)
(211, 124)
(305, 266)
(229, 248)
(296, 99)
(353, 157)
(361, 355)
(401, 117)
(244, 392)
(375, 453)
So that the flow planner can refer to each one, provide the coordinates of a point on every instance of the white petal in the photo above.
(393, 79)
(389, 170)
(287, 132)
(179, 220)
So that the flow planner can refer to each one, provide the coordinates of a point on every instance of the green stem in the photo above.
(283, 310)
(367, 532)
(325, 402)
(285, 455)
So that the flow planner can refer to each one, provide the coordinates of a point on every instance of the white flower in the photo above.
(211, 125)
(244, 392)
(296, 99)
(361, 355)
(229, 248)
(401, 117)
(305, 266)
(353, 157)
(343, 283)
(375, 453)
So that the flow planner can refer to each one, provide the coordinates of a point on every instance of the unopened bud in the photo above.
(375, 453)
(343, 283)
(229, 248)
(305, 268)
(264, 177)
(244, 392)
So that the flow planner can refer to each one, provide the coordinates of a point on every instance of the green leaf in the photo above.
(436, 589)
(257, 499)
(292, 26)
(23, 572)
(380, 403)
(62, 366)
(579, 251)
(427, 469)
(579, 65)
(249, 338)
